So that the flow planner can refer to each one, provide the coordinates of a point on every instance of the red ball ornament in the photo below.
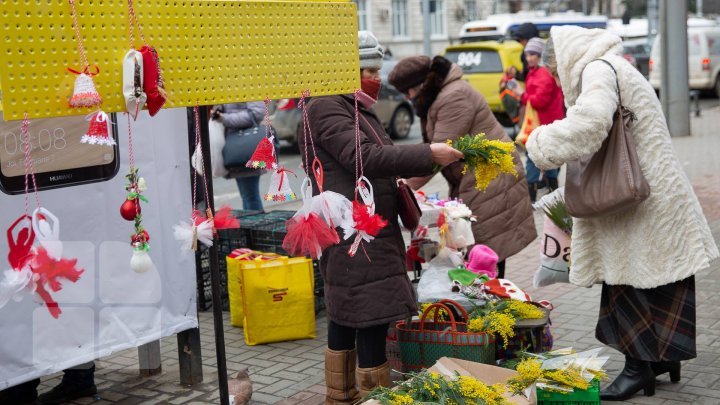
(144, 237)
(130, 209)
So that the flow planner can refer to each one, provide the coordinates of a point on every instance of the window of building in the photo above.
(437, 18)
(471, 11)
(399, 19)
(362, 15)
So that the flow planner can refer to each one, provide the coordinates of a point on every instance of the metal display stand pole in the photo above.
(214, 266)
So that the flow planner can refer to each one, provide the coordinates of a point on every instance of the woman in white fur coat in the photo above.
(645, 257)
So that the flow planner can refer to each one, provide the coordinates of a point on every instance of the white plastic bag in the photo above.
(554, 247)
(460, 233)
(554, 256)
(435, 284)
(217, 143)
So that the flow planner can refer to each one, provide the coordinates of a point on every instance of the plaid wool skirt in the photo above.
(654, 324)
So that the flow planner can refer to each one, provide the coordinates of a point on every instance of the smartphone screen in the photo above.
(58, 157)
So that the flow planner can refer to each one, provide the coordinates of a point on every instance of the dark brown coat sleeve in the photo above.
(333, 128)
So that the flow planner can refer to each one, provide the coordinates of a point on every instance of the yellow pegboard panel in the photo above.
(211, 52)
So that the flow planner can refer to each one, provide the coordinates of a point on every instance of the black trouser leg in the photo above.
(501, 269)
(370, 342)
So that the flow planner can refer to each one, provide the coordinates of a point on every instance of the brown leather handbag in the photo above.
(610, 180)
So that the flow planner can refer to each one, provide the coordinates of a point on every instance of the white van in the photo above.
(703, 59)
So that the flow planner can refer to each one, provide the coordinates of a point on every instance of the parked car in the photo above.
(393, 110)
(484, 64)
(703, 59)
(637, 52)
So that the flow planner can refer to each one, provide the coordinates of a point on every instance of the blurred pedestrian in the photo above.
(645, 257)
(449, 108)
(523, 34)
(237, 117)
(545, 96)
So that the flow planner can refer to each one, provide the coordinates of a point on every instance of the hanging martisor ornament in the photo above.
(264, 156)
(279, 189)
(36, 269)
(152, 83)
(222, 219)
(200, 228)
(133, 92)
(14, 282)
(84, 93)
(334, 207)
(153, 80)
(307, 233)
(130, 210)
(98, 132)
(312, 229)
(365, 223)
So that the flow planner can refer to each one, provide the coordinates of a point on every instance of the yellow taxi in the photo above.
(484, 64)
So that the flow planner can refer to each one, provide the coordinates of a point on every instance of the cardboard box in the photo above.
(483, 372)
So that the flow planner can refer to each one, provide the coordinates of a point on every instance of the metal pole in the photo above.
(585, 7)
(427, 47)
(652, 15)
(214, 268)
(674, 94)
(699, 11)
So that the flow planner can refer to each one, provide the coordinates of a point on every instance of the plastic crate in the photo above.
(227, 241)
(590, 396)
(269, 238)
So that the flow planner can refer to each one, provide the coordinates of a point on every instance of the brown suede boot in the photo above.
(370, 378)
(340, 382)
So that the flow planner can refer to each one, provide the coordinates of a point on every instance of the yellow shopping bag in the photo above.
(278, 301)
(234, 263)
(529, 123)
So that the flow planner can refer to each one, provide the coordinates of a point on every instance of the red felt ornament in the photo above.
(98, 133)
(153, 82)
(367, 221)
(20, 245)
(130, 209)
(50, 271)
(225, 219)
(264, 156)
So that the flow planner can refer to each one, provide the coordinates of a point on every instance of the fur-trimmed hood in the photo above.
(442, 72)
(575, 47)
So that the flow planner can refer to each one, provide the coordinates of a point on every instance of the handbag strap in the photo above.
(617, 81)
(437, 307)
(377, 137)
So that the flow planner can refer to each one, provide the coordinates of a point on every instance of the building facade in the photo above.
(398, 24)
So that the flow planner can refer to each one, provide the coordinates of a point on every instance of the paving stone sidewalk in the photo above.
(293, 372)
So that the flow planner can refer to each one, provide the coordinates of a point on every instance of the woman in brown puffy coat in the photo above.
(450, 108)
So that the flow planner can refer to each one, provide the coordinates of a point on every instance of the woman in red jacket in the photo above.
(546, 97)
